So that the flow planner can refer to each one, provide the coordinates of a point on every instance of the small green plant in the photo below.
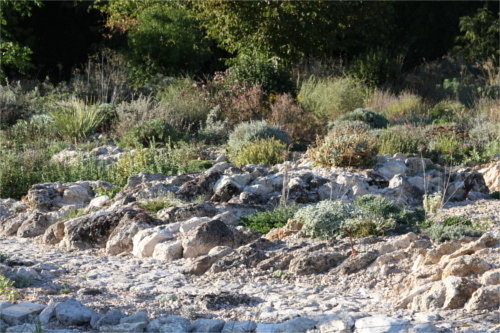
(251, 131)
(440, 232)
(159, 202)
(65, 288)
(279, 274)
(375, 120)
(406, 104)
(263, 222)
(7, 289)
(401, 139)
(21, 281)
(267, 151)
(494, 195)
(432, 203)
(109, 192)
(215, 131)
(344, 146)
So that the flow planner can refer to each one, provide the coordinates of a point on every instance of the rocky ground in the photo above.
(191, 269)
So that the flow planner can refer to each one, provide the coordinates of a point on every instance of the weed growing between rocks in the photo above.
(7, 289)
(263, 222)
(267, 151)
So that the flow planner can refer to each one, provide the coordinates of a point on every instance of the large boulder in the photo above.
(35, 225)
(121, 238)
(146, 240)
(200, 240)
(491, 175)
(485, 298)
(458, 292)
(464, 266)
(202, 185)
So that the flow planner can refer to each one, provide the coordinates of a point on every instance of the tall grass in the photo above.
(328, 98)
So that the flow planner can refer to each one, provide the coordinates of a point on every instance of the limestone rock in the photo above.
(72, 312)
(35, 225)
(185, 212)
(355, 263)
(201, 264)
(239, 327)
(491, 277)
(202, 239)
(316, 262)
(146, 240)
(491, 175)
(54, 234)
(458, 292)
(381, 324)
(202, 185)
(207, 325)
(109, 319)
(485, 298)
(170, 324)
(168, 251)
(465, 265)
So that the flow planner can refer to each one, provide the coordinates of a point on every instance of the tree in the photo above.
(481, 36)
(12, 52)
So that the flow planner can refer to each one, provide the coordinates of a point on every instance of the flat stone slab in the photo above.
(17, 314)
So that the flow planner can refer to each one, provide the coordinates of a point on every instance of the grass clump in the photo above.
(345, 146)
(441, 233)
(263, 222)
(263, 151)
(163, 200)
(7, 289)
(401, 139)
(251, 131)
(75, 120)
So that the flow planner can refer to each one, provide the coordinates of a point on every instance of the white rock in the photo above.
(146, 240)
(382, 324)
(168, 251)
(192, 223)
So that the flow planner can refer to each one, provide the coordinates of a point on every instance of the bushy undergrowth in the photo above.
(401, 139)
(329, 98)
(157, 131)
(251, 131)
(375, 120)
(345, 146)
(267, 151)
(263, 222)
(441, 233)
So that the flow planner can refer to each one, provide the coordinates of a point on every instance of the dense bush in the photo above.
(344, 146)
(258, 69)
(251, 131)
(267, 151)
(401, 139)
(375, 120)
(214, 131)
(263, 222)
(328, 219)
(406, 105)
(329, 98)
(440, 232)
(377, 67)
(157, 131)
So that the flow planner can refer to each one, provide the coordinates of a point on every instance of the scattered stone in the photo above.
(19, 313)
(72, 312)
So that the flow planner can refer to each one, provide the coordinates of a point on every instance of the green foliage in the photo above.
(406, 104)
(377, 67)
(109, 192)
(432, 202)
(324, 219)
(375, 120)
(263, 222)
(329, 98)
(494, 195)
(159, 202)
(445, 110)
(20, 281)
(215, 131)
(344, 146)
(441, 233)
(267, 151)
(74, 120)
(184, 105)
(366, 225)
(401, 139)
(165, 39)
(258, 69)
(251, 131)
(279, 274)
(156, 130)
(7, 289)
(481, 35)
(457, 220)
(405, 220)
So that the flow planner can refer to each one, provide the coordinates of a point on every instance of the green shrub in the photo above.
(494, 195)
(329, 98)
(406, 104)
(251, 131)
(267, 151)
(7, 289)
(446, 111)
(344, 146)
(160, 202)
(440, 233)
(35, 128)
(366, 225)
(457, 220)
(215, 131)
(324, 219)
(377, 67)
(74, 120)
(258, 69)
(405, 220)
(375, 120)
(263, 222)
(402, 139)
(20, 281)
(184, 105)
(156, 130)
